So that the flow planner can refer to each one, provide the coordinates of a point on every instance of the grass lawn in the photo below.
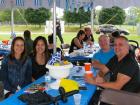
(68, 35)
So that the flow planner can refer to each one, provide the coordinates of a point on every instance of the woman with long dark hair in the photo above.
(16, 67)
(40, 57)
(77, 42)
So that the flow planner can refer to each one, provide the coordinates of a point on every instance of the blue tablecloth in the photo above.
(79, 58)
(86, 95)
(4, 52)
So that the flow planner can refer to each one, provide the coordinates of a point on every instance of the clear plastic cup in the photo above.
(77, 99)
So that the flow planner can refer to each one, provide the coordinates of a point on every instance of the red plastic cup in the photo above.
(87, 66)
(5, 42)
(89, 74)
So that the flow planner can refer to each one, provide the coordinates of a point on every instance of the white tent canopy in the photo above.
(105, 3)
(66, 4)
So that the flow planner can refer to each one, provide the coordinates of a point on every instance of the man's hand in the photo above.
(99, 79)
(90, 80)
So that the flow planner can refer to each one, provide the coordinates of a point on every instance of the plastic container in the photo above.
(47, 77)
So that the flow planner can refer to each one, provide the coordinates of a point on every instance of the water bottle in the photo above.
(84, 45)
(47, 77)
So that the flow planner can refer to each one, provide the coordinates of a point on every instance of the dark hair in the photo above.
(122, 37)
(47, 54)
(115, 34)
(12, 54)
(27, 34)
(50, 39)
(80, 33)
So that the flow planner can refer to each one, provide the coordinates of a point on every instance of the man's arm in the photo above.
(118, 84)
(103, 69)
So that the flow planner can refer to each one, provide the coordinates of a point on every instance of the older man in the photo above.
(123, 68)
(88, 36)
(106, 52)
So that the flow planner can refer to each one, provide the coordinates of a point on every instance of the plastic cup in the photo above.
(77, 99)
(87, 66)
(89, 74)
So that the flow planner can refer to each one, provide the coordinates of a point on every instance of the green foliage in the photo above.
(29, 15)
(70, 17)
(80, 17)
(37, 16)
(5, 15)
(83, 17)
(19, 16)
(114, 15)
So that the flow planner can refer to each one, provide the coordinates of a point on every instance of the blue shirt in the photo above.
(103, 57)
(16, 72)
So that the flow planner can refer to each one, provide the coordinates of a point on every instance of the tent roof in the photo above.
(67, 4)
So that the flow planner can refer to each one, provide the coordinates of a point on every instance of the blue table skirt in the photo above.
(4, 52)
(86, 95)
(80, 58)
(77, 58)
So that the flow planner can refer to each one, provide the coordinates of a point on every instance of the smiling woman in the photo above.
(16, 67)
(39, 57)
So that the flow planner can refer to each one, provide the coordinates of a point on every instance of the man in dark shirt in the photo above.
(28, 41)
(123, 67)
(58, 31)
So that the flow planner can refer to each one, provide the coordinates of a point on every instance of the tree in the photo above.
(19, 16)
(37, 16)
(83, 17)
(29, 15)
(5, 15)
(114, 15)
(67, 16)
(43, 14)
(80, 17)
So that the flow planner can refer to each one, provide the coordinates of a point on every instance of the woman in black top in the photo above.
(77, 42)
(40, 57)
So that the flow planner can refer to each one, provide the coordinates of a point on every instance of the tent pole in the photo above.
(92, 17)
(54, 25)
(12, 19)
(92, 24)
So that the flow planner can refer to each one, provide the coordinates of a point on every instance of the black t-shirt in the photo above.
(127, 66)
(90, 37)
(73, 46)
(37, 70)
